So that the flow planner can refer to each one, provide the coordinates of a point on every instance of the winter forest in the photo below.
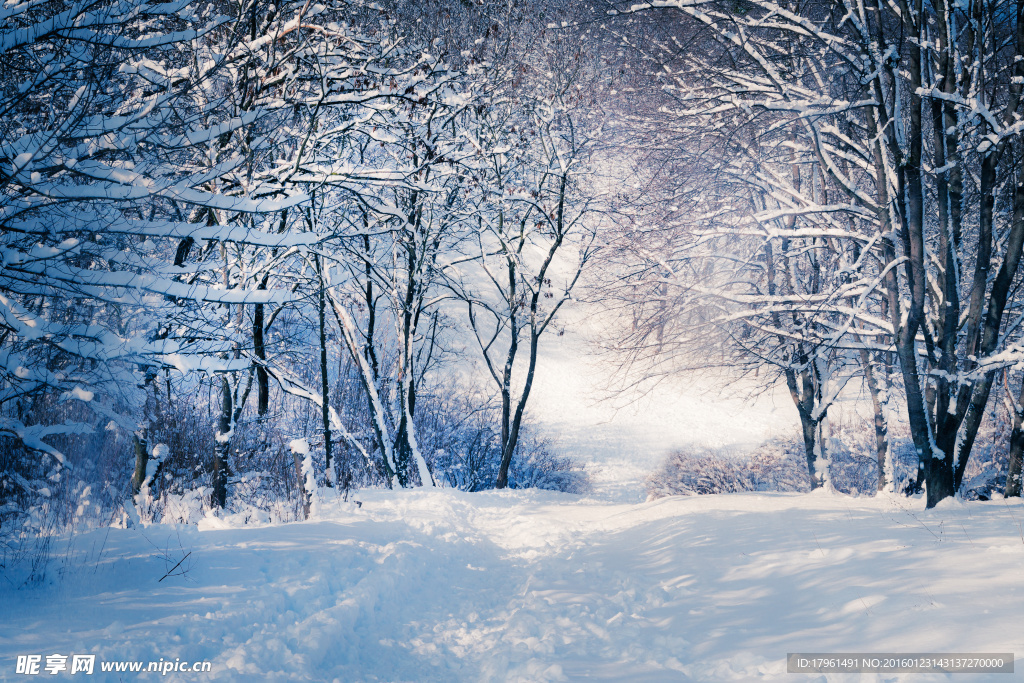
(528, 340)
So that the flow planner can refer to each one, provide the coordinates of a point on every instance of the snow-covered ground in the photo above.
(539, 586)
(534, 586)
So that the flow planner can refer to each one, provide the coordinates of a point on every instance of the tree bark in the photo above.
(1013, 474)
(222, 447)
(141, 447)
(325, 404)
(881, 428)
(937, 467)
(300, 479)
(260, 350)
(517, 421)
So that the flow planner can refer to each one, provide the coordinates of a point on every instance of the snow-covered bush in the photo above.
(185, 508)
(459, 434)
(536, 466)
(779, 464)
(41, 496)
(698, 470)
(186, 428)
(703, 470)
(466, 457)
(852, 455)
(470, 462)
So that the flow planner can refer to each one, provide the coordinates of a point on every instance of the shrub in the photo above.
(703, 470)
(459, 436)
(777, 465)
(535, 466)
(780, 465)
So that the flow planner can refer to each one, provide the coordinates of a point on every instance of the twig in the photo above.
(965, 533)
(175, 566)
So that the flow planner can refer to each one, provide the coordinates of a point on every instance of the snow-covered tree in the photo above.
(102, 116)
(532, 203)
(909, 110)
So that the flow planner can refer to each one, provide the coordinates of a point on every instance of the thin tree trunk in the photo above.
(881, 428)
(1013, 475)
(259, 332)
(517, 420)
(141, 446)
(222, 447)
(367, 378)
(260, 350)
(300, 479)
(802, 400)
(536, 329)
(325, 405)
(510, 358)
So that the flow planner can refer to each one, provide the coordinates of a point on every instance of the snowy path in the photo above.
(531, 586)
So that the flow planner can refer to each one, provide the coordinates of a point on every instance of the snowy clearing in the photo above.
(533, 586)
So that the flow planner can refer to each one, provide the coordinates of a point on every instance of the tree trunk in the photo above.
(1013, 474)
(325, 405)
(509, 447)
(937, 466)
(881, 428)
(223, 447)
(260, 350)
(508, 438)
(367, 378)
(402, 450)
(304, 495)
(141, 461)
(801, 390)
(810, 433)
(259, 337)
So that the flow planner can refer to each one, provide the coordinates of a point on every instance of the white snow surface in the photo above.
(439, 585)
